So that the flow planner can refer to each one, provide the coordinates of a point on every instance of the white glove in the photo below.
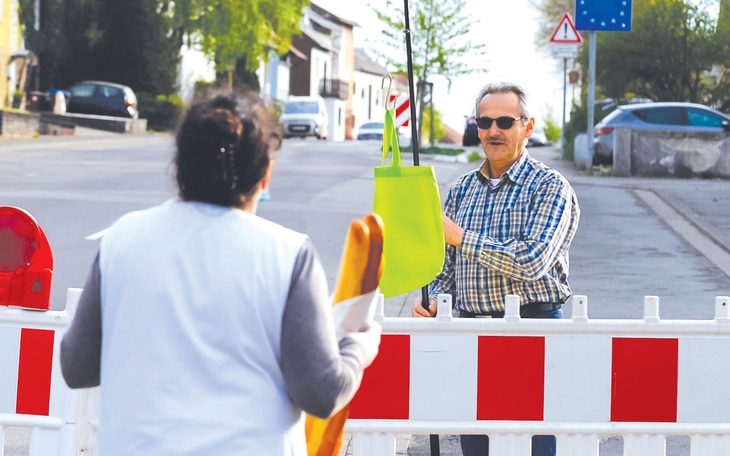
(368, 341)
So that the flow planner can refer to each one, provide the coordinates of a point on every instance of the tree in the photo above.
(237, 32)
(439, 41)
(136, 47)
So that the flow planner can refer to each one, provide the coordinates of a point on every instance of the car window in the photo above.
(84, 90)
(699, 118)
(373, 125)
(301, 107)
(663, 116)
(110, 92)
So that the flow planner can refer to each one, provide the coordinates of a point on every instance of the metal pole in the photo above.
(591, 89)
(565, 90)
(409, 56)
(434, 438)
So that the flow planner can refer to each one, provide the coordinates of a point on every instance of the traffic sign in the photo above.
(565, 51)
(566, 33)
(603, 15)
(402, 105)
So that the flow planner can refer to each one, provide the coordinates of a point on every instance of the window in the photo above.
(85, 90)
(663, 116)
(700, 118)
(301, 107)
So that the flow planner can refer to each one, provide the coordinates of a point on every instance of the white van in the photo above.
(304, 116)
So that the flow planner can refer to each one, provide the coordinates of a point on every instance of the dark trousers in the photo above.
(542, 445)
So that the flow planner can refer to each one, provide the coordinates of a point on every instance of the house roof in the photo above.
(365, 64)
(320, 39)
(331, 17)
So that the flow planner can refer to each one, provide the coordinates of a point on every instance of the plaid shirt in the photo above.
(516, 240)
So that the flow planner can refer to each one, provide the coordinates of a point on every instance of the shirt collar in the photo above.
(517, 173)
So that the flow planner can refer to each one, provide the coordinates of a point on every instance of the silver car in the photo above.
(663, 116)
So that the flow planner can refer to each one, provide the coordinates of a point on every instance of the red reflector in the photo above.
(128, 103)
(603, 131)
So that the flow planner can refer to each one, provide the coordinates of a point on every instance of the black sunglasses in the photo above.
(503, 123)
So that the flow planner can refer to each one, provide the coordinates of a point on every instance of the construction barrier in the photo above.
(33, 393)
(578, 379)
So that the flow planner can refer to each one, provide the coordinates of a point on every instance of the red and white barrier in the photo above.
(578, 379)
(33, 393)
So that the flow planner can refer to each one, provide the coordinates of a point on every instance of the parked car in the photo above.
(538, 138)
(471, 136)
(103, 99)
(662, 116)
(304, 116)
(371, 130)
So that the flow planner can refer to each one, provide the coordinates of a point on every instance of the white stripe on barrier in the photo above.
(9, 357)
(450, 400)
(706, 378)
(577, 370)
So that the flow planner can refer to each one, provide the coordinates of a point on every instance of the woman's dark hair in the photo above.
(224, 147)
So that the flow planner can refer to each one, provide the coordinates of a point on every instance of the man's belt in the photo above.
(526, 311)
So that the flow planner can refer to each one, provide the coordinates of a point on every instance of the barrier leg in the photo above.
(510, 444)
(44, 442)
(578, 445)
(709, 444)
(645, 445)
(373, 443)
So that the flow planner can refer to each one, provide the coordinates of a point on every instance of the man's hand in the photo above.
(453, 233)
(418, 311)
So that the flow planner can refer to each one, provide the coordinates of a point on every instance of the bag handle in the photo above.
(390, 140)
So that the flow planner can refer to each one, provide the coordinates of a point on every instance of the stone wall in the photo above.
(667, 154)
(18, 124)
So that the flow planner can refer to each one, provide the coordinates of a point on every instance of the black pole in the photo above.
(434, 438)
(409, 56)
(414, 127)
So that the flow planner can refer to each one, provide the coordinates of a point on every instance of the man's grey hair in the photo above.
(505, 87)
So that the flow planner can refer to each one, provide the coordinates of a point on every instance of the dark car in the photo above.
(102, 98)
(663, 116)
(471, 136)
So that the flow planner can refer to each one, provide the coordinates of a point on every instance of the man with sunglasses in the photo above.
(508, 226)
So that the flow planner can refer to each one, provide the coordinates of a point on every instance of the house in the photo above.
(327, 67)
(10, 44)
(369, 98)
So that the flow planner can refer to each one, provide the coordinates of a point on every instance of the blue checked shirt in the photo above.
(516, 240)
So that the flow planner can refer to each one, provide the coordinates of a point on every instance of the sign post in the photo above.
(566, 41)
(593, 16)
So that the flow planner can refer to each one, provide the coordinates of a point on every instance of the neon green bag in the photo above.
(407, 199)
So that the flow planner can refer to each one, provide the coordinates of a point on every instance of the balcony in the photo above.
(333, 88)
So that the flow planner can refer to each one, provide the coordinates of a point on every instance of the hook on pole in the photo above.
(386, 95)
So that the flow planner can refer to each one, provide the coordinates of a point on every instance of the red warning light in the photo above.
(26, 261)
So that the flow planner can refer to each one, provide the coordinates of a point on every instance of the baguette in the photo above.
(359, 273)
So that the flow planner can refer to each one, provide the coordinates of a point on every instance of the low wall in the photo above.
(106, 123)
(18, 124)
(668, 154)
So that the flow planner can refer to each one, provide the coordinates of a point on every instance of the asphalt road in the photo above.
(628, 244)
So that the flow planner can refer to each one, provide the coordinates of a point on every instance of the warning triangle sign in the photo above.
(566, 32)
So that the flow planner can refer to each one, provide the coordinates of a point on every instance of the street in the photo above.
(628, 244)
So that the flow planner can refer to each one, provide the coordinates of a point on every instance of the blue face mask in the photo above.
(265, 195)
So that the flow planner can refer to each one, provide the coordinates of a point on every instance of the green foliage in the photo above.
(475, 157)
(124, 41)
(161, 111)
(228, 30)
(439, 127)
(439, 38)
(551, 127)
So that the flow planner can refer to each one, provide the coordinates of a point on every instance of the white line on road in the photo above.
(97, 235)
(699, 240)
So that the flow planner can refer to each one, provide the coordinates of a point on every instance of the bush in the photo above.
(161, 111)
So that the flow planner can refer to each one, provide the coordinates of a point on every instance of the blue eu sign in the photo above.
(603, 15)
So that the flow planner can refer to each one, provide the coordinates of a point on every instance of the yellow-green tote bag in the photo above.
(407, 199)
